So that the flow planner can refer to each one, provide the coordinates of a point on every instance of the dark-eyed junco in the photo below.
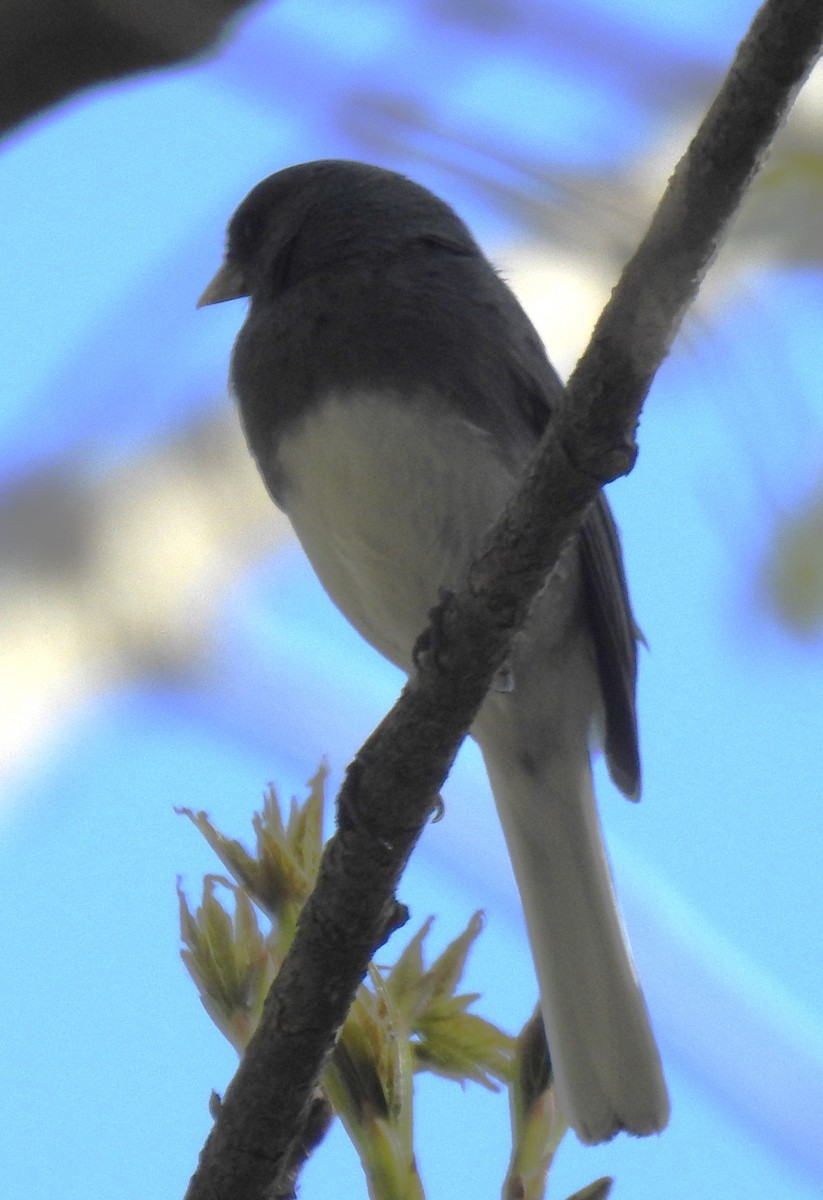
(392, 389)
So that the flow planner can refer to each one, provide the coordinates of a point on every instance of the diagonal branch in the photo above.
(393, 782)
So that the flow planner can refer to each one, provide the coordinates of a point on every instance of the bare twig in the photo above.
(51, 50)
(393, 783)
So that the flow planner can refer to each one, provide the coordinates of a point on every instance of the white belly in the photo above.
(389, 504)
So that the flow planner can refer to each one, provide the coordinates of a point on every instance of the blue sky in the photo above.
(115, 207)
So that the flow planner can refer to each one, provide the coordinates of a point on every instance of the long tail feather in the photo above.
(606, 1063)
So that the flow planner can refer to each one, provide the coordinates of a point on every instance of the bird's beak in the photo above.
(228, 284)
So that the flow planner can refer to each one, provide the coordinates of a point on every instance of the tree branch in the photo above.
(393, 782)
(51, 49)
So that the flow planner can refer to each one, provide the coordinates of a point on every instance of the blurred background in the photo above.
(163, 642)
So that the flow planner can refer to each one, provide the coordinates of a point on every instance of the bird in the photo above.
(392, 390)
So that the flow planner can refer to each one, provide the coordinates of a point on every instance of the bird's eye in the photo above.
(251, 227)
(247, 231)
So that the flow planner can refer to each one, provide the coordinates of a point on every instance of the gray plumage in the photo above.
(391, 389)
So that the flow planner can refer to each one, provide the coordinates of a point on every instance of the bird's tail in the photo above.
(606, 1064)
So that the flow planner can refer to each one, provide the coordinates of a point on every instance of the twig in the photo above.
(393, 783)
(50, 51)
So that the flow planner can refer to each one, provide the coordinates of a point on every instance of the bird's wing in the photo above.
(537, 391)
